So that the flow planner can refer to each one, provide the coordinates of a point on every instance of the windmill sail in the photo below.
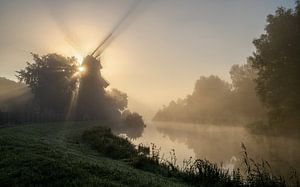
(101, 47)
(101, 44)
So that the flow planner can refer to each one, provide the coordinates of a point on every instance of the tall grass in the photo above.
(196, 172)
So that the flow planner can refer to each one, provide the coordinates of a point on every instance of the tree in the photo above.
(209, 102)
(51, 79)
(242, 77)
(244, 99)
(119, 99)
(277, 61)
(133, 124)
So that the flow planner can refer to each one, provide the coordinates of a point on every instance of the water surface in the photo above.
(221, 144)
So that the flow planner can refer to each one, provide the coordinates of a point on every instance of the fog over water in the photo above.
(221, 144)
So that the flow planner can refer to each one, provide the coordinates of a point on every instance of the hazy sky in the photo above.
(157, 56)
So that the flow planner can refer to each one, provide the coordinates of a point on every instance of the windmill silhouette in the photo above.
(92, 101)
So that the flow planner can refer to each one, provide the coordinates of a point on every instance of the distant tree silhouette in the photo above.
(209, 100)
(277, 61)
(13, 96)
(216, 101)
(209, 103)
(51, 80)
(245, 101)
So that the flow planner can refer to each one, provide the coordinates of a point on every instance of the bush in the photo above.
(133, 124)
(109, 145)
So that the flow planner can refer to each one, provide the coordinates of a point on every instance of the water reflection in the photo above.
(221, 144)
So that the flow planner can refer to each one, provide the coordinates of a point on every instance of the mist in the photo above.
(217, 101)
(168, 92)
(177, 38)
(13, 96)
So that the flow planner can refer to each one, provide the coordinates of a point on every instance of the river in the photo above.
(221, 144)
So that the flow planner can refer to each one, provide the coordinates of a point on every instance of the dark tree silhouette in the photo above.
(216, 101)
(60, 87)
(277, 60)
(209, 102)
(51, 79)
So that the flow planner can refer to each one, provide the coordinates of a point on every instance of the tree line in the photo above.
(266, 87)
(60, 90)
(217, 101)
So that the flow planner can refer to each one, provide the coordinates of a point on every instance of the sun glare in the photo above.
(79, 58)
(81, 69)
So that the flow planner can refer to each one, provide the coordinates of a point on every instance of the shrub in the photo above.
(109, 145)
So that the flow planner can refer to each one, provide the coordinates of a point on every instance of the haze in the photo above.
(162, 50)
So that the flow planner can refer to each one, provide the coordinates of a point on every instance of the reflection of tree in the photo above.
(219, 144)
(131, 124)
(207, 142)
(134, 132)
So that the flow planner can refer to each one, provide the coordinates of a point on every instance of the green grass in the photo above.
(55, 155)
(88, 154)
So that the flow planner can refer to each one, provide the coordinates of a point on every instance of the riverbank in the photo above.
(88, 154)
(53, 155)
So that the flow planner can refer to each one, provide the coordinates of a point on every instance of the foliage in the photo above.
(194, 172)
(201, 172)
(244, 100)
(119, 99)
(54, 79)
(108, 144)
(50, 78)
(276, 60)
(260, 173)
(216, 101)
(132, 124)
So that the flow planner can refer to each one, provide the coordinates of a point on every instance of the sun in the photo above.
(81, 69)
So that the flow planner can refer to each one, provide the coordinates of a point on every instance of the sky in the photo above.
(158, 52)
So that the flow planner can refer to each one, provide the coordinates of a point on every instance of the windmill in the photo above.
(91, 101)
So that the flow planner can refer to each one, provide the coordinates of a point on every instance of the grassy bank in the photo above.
(88, 154)
(53, 154)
